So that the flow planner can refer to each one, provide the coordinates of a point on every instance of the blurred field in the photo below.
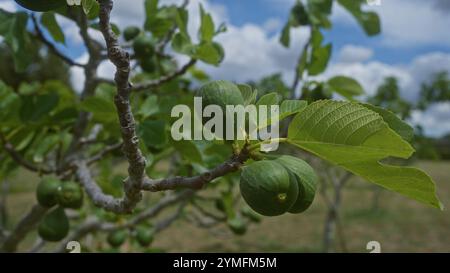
(399, 224)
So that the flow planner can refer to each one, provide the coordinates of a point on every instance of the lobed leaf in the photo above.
(356, 138)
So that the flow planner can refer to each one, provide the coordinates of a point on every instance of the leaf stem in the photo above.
(258, 145)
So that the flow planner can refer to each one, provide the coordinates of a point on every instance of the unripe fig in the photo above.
(117, 238)
(306, 179)
(143, 46)
(268, 188)
(54, 226)
(130, 33)
(70, 195)
(144, 236)
(148, 65)
(46, 192)
(221, 93)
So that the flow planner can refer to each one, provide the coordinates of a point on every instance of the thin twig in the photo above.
(164, 79)
(197, 182)
(40, 35)
(26, 224)
(17, 157)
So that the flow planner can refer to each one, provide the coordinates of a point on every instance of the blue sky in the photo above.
(414, 44)
(258, 11)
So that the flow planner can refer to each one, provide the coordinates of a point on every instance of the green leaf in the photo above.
(394, 122)
(48, 19)
(210, 53)
(352, 136)
(268, 99)
(319, 59)
(87, 5)
(9, 105)
(370, 23)
(368, 20)
(188, 151)
(94, 12)
(285, 37)
(149, 107)
(151, 8)
(290, 107)
(346, 87)
(221, 28)
(207, 28)
(153, 133)
(36, 107)
(43, 147)
(287, 108)
(324, 6)
(299, 15)
(162, 22)
(102, 109)
(13, 28)
(248, 93)
(182, 17)
(181, 43)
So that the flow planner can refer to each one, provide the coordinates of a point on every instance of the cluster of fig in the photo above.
(274, 187)
(57, 195)
(142, 234)
(270, 187)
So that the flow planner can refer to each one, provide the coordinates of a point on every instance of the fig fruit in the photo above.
(70, 195)
(54, 226)
(131, 32)
(143, 46)
(268, 188)
(117, 238)
(47, 190)
(306, 179)
(144, 236)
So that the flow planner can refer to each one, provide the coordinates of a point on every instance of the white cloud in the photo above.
(435, 120)
(410, 76)
(272, 24)
(354, 54)
(408, 22)
(251, 54)
(8, 5)
(105, 70)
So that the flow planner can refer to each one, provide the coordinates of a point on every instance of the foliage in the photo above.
(48, 128)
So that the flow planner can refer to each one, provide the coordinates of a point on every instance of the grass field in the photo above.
(399, 224)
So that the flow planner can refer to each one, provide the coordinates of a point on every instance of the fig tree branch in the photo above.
(298, 75)
(197, 182)
(17, 157)
(40, 35)
(207, 213)
(161, 45)
(26, 224)
(93, 224)
(104, 152)
(164, 79)
(121, 60)
(90, 72)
